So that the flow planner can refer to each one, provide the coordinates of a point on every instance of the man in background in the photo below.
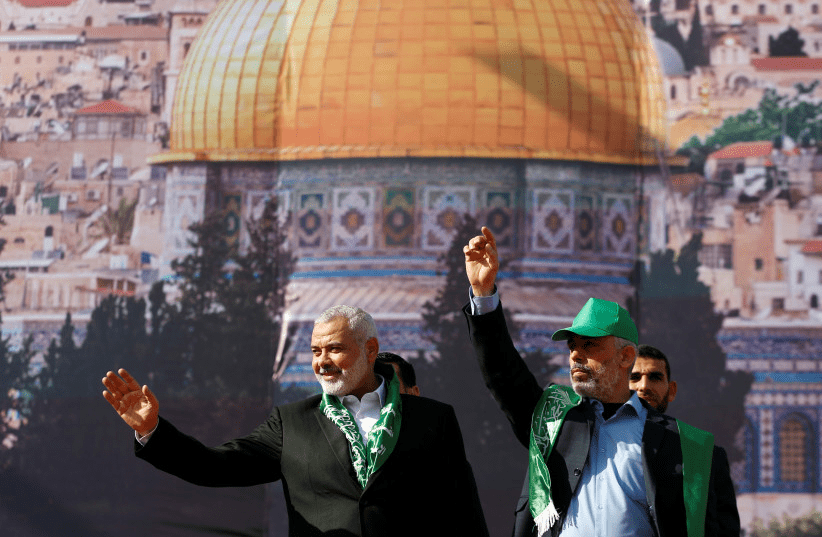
(651, 379)
(404, 371)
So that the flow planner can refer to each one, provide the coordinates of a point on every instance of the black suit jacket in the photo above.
(426, 487)
(517, 392)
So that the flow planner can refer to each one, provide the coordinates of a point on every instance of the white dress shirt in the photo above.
(366, 411)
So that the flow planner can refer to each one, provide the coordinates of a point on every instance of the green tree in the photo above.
(695, 52)
(226, 324)
(677, 316)
(18, 385)
(120, 222)
(18, 388)
(809, 525)
(60, 373)
(786, 44)
(115, 337)
(794, 115)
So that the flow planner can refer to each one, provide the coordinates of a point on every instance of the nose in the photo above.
(576, 357)
(320, 359)
(642, 384)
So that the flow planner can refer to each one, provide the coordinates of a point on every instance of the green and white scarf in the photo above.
(549, 414)
(546, 422)
(382, 438)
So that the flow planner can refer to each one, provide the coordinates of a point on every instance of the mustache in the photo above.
(583, 369)
(330, 369)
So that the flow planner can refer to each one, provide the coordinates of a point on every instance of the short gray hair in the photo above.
(359, 321)
(620, 343)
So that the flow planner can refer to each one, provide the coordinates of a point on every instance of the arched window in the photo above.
(797, 471)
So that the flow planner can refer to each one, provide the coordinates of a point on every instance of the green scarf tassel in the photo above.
(546, 422)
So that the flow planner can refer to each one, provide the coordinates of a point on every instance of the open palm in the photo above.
(137, 406)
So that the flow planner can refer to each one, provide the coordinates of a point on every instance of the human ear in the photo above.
(671, 391)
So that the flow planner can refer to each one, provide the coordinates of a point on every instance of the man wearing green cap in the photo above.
(602, 463)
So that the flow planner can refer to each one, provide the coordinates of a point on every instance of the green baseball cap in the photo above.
(599, 318)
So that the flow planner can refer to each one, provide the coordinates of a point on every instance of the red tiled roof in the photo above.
(760, 18)
(812, 247)
(45, 3)
(107, 107)
(787, 64)
(743, 150)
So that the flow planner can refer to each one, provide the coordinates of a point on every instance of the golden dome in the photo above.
(293, 80)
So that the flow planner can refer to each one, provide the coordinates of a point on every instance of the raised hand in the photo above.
(482, 262)
(137, 406)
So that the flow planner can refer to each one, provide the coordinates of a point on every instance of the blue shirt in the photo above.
(610, 499)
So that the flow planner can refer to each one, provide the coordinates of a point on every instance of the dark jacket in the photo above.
(517, 392)
(426, 487)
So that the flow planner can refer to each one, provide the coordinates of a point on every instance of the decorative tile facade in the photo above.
(352, 219)
(442, 210)
(553, 220)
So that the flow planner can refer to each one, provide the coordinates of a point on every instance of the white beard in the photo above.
(598, 384)
(348, 380)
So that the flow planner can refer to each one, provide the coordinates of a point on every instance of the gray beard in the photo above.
(348, 380)
(596, 387)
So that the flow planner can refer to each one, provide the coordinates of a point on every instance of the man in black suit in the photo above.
(361, 459)
(651, 379)
(602, 463)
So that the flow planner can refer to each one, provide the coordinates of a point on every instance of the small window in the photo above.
(709, 9)
(734, 9)
(740, 167)
(763, 9)
(758, 263)
(794, 453)
(800, 276)
(673, 92)
(815, 9)
(778, 304)
(788, 9)
(17, 59)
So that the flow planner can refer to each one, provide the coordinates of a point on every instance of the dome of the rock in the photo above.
(273, 80)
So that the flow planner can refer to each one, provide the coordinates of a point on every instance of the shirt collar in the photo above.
(351, 400)
(633, 405)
